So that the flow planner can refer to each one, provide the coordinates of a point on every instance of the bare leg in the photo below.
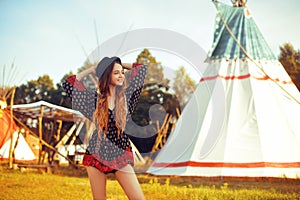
(130, 184)
(97, 182)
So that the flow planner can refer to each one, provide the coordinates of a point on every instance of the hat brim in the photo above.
(104, 63)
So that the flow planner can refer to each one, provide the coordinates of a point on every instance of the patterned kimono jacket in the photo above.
(112, 152)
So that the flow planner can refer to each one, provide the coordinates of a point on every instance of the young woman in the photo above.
(109, 149)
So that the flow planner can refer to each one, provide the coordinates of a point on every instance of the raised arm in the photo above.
(82, 99)
(133, 92)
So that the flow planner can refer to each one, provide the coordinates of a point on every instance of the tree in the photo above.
(59, 96)
(155, 103)
(155, 72)
(290, 59)
(183, 85)
(35, 90)
(155, 90)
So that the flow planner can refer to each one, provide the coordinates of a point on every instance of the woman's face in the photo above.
(117, 75)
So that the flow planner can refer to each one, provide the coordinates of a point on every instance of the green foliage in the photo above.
(290, 59)
(42, 89)
(155, 72)
(184, 86)
(155, 92)
(35, 90)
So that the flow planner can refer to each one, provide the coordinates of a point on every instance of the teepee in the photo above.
(22, 151)
(13, 146)
(242, 119)
(20, 148)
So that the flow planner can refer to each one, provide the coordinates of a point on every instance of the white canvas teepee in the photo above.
(21, 149)
(242, 119)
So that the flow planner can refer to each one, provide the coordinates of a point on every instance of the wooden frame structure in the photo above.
(42, 111)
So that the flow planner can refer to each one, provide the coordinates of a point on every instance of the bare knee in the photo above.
(129, 182)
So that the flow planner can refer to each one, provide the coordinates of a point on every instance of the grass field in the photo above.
(71, 184)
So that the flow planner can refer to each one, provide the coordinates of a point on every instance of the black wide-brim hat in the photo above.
(104, 63)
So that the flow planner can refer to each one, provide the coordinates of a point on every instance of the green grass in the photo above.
(70, 184)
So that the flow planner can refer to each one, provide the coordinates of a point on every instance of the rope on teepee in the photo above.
(252, 60)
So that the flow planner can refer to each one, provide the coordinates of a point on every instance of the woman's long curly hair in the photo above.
(101, 112)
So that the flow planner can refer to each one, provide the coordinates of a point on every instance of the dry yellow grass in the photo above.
(72, 184)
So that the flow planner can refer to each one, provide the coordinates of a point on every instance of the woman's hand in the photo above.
(127, 66)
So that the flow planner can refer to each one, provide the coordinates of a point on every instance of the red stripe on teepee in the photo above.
(264, 78)
(235, 77)
(225, 77)
(275, 79)
(228, 165)
(261, 78)
(208, 78)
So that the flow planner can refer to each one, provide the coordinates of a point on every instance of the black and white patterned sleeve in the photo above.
(82, 99)
(134, 90)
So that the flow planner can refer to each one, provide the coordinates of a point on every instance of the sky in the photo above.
(56, 37)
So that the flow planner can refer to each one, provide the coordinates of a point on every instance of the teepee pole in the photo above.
(40, 133)
(11, 149)
(238, 3)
